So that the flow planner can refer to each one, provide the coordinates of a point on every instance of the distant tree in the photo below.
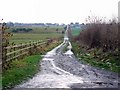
(83, 24)
(65, 27)
(57, 29)
(10, 24)
(21, 30)
(77, 23)
(45, 28)
(63, 32)
(14, 31)
(62, 24)
(71, 23)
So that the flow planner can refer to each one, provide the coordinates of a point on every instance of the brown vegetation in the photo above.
(99, 34)
(98, 44)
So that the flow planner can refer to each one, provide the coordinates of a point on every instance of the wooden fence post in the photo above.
(14, 48)
(25, 46)
(4, 51)
(30, 52)
(0, 48)
(4, 57)
(21, 57)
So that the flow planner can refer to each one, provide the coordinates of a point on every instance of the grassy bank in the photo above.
(20, 70)
(43, 49)
(97, 58)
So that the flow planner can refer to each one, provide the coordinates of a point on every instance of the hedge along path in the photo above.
(18, 52)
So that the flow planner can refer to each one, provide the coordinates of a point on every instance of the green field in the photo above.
(37, 33)
(23, 38)
(76, 31)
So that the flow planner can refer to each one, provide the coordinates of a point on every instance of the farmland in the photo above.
(37, 33)
(28, 65)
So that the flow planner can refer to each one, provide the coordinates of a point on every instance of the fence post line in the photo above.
(13, 51)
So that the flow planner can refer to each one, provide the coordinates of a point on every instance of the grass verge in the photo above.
(20, 70)
(45, 48)
(95, 57)
(65, 48)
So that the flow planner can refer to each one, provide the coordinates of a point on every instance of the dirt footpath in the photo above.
(63, 70)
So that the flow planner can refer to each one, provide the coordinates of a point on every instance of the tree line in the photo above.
(21, 30)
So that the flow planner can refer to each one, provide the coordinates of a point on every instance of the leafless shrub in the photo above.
(100, 34)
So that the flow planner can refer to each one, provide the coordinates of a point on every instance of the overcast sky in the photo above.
(56, 11)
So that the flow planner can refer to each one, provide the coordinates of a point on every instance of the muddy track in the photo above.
(63, 70)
